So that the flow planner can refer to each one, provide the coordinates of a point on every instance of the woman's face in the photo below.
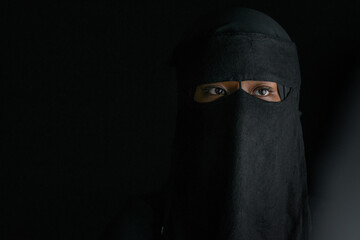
(210, 92)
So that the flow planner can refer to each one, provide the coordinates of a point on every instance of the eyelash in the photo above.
(269, 89)
(207, 90)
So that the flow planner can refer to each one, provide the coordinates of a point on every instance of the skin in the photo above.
(210, 92)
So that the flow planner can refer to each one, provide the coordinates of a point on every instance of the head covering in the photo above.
(238, 169)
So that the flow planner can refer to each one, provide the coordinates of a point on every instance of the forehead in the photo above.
(240, 57)
(238, 83)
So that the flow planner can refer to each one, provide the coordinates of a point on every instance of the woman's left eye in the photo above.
(262, 92)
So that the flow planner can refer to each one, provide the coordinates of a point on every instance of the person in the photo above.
(238, 168)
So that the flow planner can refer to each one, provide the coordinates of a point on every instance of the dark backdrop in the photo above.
(90, 102)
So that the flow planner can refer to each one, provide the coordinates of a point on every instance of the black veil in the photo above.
(239, 169)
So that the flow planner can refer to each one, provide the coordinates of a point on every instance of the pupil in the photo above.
(219, 91)
(263, 91)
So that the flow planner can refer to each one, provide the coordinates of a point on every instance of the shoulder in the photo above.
(140, 219)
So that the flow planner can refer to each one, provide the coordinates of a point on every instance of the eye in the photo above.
(262, 91)
(215, 91)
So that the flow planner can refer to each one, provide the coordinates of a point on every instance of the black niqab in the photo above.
(239, 169)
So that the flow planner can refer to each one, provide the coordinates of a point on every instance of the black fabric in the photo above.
(236, 45)
(283, 91)
(239, 170)
(238, 57)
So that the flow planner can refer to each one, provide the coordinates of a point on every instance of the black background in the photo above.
(90, 102)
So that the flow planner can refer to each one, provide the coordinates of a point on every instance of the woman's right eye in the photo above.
(215, 91)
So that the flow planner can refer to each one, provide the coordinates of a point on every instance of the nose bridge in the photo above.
(254, 132)
(242, 109)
